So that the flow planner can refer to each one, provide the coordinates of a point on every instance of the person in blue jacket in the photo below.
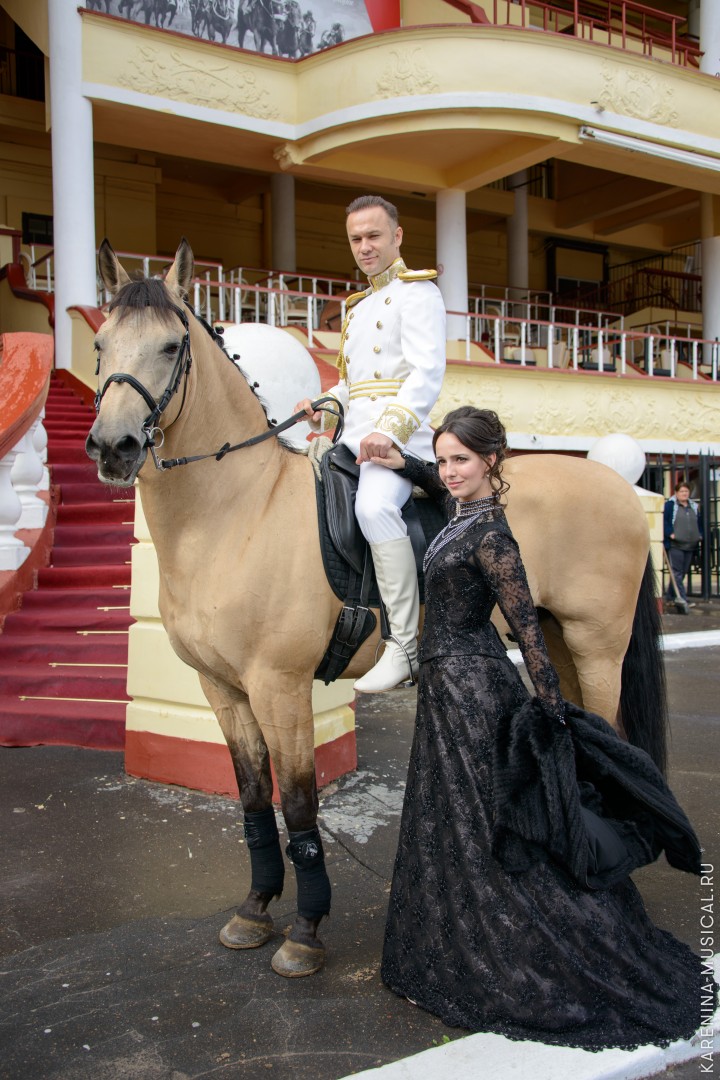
(682, 532)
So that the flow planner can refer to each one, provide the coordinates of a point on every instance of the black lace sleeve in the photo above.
(425, 475)
(499, 560)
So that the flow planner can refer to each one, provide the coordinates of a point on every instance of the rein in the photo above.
(271, 433)
(181, 370)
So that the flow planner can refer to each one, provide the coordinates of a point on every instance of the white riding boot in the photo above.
(397, 579)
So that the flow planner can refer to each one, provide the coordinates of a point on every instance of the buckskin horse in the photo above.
(244, 595)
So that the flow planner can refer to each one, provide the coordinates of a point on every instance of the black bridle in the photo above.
(181, 370)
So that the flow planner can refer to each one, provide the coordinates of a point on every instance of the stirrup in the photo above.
(412, 679)
(390, 674)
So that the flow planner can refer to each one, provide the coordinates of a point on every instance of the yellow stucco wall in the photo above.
(585, 405)
(322, 115)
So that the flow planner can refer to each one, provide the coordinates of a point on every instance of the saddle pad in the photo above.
(337, 569)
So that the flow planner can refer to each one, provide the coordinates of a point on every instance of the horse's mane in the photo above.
(152, 293)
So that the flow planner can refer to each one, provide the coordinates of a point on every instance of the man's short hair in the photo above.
(366, 202)
(682, 484)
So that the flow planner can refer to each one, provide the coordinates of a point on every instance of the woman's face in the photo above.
(463, 471)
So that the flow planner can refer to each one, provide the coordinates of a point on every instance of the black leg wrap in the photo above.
(305, 851)
(266, 861)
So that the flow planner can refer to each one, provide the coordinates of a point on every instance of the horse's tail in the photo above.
(643, 693)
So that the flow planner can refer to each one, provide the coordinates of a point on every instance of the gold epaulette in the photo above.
(417, 275)
(355, 298)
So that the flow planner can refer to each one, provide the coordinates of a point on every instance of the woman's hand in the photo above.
(393, 460)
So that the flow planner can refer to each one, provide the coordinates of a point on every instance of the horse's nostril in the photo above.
(127, 446)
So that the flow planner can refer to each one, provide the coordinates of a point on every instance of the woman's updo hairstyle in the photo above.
(480, 430)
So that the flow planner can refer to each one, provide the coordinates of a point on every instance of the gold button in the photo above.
(351, 315)
(347, 334)
(373, 397)
(378, 374)
(347, 359)
(388, 299)
(379, 325)
(377, 349)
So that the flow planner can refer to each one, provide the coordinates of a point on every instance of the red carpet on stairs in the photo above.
(63, 655)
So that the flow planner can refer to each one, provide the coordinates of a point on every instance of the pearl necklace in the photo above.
(465, 514)
(474, 506)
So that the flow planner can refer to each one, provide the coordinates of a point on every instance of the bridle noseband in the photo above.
(155, 435)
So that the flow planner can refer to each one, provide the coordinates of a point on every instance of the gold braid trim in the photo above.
(351, 301)
(399, 423)
(417, 275)
(328, 420)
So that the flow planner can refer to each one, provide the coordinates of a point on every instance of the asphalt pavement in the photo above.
(113, 891)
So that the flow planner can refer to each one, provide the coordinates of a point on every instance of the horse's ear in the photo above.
(112, 274)
(180, 274)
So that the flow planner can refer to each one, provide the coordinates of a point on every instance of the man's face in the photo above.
(374, 241)
(683, 495)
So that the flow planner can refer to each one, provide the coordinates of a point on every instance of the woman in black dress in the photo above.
(528, 955)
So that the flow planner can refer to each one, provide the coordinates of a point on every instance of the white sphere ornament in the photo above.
(620, 452)
(283, 368)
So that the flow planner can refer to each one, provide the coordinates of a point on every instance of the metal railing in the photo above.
(560, 345)
(291, 291)
(702, 473)
(528, 332)
(266, 303)
(616, 23)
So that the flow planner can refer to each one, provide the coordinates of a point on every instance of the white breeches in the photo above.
(380, 496)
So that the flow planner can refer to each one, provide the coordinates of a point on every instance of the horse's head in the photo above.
(143, 356)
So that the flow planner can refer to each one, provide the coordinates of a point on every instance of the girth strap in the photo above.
(355, 623)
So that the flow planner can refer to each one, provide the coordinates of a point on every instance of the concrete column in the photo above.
(518, 238)
(710, 228)
(709, 27)
(707, 22)
(282, 194)
(451, 246)
(73, 174)
(693, 18)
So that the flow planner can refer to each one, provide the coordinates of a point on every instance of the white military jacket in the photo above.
(392, 359)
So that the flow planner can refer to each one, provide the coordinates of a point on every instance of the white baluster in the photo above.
(26, 475)
(13, 552)
(40, 441)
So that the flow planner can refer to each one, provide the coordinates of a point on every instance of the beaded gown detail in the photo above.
(530, 955)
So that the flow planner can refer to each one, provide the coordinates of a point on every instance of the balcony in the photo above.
(618, 24)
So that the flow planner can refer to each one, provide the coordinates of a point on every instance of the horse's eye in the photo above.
(171, 348)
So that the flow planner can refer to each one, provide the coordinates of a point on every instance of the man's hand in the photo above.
(374, 445)
(306, 406)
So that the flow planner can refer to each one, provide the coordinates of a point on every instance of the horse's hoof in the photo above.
(242, 933)
(293, 960)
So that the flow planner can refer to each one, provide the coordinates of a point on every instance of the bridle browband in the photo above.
(180, 371)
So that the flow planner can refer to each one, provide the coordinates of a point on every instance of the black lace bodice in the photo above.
(468, 576)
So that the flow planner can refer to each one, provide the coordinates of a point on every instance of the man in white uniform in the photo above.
(391, 363)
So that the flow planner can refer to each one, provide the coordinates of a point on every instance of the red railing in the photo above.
(605, 22)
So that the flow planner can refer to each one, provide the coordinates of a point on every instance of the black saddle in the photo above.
(347, 558)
